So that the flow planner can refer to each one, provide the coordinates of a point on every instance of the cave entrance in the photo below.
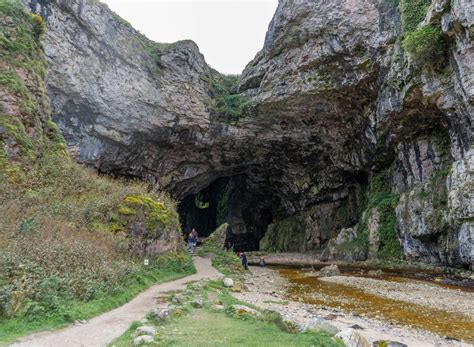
(227, 200)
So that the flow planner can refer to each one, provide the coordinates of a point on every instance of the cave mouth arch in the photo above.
(228, 200)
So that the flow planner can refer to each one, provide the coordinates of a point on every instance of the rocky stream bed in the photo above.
(392, 307)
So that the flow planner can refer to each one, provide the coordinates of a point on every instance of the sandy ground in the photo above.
(103, 329)
(417, 293)
(266, 289)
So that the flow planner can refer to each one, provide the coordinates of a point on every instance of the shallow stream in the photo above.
(348, 298)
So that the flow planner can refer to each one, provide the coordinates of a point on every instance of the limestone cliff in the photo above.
(343, 128)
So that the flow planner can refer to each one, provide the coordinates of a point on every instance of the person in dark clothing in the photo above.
(262, 261)
(245, 262)
(192, 240)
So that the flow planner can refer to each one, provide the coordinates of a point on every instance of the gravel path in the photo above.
(103, 329)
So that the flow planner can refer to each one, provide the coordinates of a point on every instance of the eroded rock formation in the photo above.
(342, 121)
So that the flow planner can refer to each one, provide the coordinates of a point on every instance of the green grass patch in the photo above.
(226, 262)
(69, 310)
(206, 327)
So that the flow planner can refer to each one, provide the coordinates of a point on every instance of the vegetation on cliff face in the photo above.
(425, 44)
(413, 12)
(64, 247)
(228, 105)
(380, 197)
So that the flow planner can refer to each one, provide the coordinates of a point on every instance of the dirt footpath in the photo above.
(103, 329)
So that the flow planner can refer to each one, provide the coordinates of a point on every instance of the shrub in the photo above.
(227, 103)
(413, 12)
(425, 46)
(40, 25)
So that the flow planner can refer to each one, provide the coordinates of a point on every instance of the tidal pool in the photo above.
(347, 298)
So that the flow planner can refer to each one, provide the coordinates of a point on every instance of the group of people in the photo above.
(245, 262)
(193, 238)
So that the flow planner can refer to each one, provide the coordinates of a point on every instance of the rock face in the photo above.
(335, 102)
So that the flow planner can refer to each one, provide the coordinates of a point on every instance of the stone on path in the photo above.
(160, 315)
(145, 330)
(352, 338)
(137, 341)
(198, 303)
(228, 282)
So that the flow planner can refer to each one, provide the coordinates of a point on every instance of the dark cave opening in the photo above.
(227, 200)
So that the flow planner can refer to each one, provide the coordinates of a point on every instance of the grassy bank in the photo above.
(216, 323)
(163, 269)
(71, 241)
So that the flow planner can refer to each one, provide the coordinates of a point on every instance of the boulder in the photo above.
(241, 309)
(328, 271)
(218, 236)
(143, 339)
(217, 307)
(160, 315)
(228, 282)
(292, 324)
(385, 343)
(352, 338)
(237, 287)
(197, 303)
(145, 330)
(321, 324)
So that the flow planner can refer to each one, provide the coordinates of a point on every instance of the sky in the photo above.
(228, 32)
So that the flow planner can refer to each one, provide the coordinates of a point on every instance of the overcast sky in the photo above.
(228, 32)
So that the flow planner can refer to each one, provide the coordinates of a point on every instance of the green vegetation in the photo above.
(382, 199)
(199, 201)
(425, 45)
(54, 305)
(357, 248)
(228, 105)
(225, 261)
(65, 245)
(436, 193)
(288, 235)
(207, 326)
(413, 12)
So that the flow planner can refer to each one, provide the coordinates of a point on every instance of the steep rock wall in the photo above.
(412, 123)
(336, 103)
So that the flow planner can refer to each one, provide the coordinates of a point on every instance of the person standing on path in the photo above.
(192, 240)
(245, 262)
